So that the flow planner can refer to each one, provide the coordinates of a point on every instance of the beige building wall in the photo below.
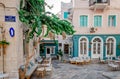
(66, 7)
(14, 52)
(14, 56)
(81, 7)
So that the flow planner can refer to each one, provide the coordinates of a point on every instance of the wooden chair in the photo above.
(41, 72)
(49, 69)
(113, 66)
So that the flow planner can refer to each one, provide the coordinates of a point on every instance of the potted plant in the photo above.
(92, 30)
(4, 43)
(60, 54)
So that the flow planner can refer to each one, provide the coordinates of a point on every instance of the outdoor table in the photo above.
(3, 75)
(46, 60)
(117, 61)
(41, 71)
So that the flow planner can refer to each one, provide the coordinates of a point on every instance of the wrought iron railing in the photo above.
(93, 2)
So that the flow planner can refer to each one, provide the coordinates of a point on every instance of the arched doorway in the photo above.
(97, 47)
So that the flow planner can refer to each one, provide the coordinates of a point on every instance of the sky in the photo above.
(56, 5)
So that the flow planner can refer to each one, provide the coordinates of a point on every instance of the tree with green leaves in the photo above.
(41, 23)
(33, 14)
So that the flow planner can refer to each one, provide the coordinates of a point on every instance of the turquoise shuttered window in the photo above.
(66, 15)
(112, 20)
(83, 21)
(97, 21)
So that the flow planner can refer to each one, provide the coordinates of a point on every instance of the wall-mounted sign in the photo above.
(10, 19)
(12, 32)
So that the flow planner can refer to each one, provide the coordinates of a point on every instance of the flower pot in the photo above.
(0, 45)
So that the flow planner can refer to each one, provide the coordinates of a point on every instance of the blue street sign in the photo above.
(12, 32)
(10, 19)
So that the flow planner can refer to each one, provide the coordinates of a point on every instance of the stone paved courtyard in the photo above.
(69, 71)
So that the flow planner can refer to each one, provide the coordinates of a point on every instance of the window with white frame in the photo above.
(112, 20)
(83, 21)
(110, 47)
(83, 46)
(50, 49)
(97, 21)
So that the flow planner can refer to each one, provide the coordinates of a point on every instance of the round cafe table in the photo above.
(117, 61)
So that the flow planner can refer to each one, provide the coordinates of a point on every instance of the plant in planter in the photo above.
(92, 30)
(4, 43)
(110, 56)
(60, 54)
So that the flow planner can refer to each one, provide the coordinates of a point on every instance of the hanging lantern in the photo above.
(64, 35)
(51, 35)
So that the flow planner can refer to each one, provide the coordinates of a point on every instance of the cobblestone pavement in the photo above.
(69, 71)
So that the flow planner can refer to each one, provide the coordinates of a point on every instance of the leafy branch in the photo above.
(4, 42)
(32, 13)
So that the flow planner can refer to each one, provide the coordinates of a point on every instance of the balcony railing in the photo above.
(93, 2)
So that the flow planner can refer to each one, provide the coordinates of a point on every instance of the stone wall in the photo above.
(14, 52)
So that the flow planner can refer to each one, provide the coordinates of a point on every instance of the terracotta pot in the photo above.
(0, 45)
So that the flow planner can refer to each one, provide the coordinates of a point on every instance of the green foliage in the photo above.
(42, 48)
(4, 42)
(32, 13)
(60, 53)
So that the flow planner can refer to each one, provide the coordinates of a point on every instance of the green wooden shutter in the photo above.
(86, 21)
(95, 21)
(65, 15)
(81, 21)
(114, 21)
(109, 20)
(100, 21)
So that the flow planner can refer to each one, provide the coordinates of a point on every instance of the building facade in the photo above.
(65, 44)
(11, 30)
(48, 47)
(97, 28)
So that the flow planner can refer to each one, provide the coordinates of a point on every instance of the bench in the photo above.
(30, 71)
(27, 74)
